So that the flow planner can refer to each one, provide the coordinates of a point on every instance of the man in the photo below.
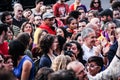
(60, 10)
(3, 43)
(48, 20)
(89, 38)
(7, 18)
(111, 73)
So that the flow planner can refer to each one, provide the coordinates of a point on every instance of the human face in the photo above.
(74, 49)
(18, 11)
(60, 32)
(28, 28)
(8, 19)
(9, 34)
(96, 3)
(90, 16)
(93, 68)
(79, 40)
(90, 39)
(73, 24)
(55, 44)
(50, 21)
(8, 65)
(111, 27)
(1, 62)
(81, 72)
(37, 20)
(81, 26)
(116, 14)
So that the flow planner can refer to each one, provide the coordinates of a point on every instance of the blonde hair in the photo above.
(59, 63)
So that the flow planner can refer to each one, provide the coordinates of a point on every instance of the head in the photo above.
(94, 65)
(18, 10)
(76, 49)
(6, 18)
(59, 63)
(78, 38)
(89, 37)
(8, 62)
(81, 25)
(79, 70)
(62, 75)
(96, 21)
(116, 14)
(71, 22)
(27, 13)
(75, 14)
(95, 4)
(48, 18)
(106, 15)
(82, 11)
(62, 32)
(43, 73)
(16, 49)
(37, 20)
(39, 3)
(27, 27)
(77, 1)
(92, 14)
(47, 43)
(1, 61)
(3, 30)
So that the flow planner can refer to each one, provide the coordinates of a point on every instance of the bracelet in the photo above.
(118, 57)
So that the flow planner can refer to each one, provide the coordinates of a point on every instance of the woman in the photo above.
(94, 65)
(96, 5)
(23, 65)
(47, 45)
(8, 63)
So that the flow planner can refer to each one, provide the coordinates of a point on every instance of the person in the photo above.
(76, 5)
(18, 13)
(60, 10)
(48, 20)
(3, 43)
(59, 63)
(62, 75)
(96, 5)
(36, 11)
(95, 65)
(47, 46)
(1, 61)
(43, 73)
(23, 65)
(8, 63)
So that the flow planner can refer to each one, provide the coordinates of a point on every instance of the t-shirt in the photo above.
(4, 48)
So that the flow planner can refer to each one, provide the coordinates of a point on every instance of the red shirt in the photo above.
(47, 28)
(4, 48)
(60, 10)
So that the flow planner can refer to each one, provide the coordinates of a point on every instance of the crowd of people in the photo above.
(61, 42)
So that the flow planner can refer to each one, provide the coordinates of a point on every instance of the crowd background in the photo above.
(61, 41)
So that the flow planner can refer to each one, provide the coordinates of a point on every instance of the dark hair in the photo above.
(46, 43)
(43, 73)
(6, 57)
(69, 19)
(37, 1)
(64, 31)
(16, 49)
(3, 16)
(80, 55)
(62, 75)
(77, 35)
(24, 38)
(3, 27)
(98, 60)
(75, 14)
(6, 75)
(116, 5)
(92, 4)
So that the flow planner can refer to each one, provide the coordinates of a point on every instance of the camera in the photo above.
(68, 52)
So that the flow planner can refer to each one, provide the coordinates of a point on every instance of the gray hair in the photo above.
(85, 32)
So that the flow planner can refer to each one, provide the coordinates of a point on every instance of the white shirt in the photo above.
(88, 52)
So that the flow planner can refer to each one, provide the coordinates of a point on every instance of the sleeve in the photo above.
(55, 9)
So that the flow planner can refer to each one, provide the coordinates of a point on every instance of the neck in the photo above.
(89, 46)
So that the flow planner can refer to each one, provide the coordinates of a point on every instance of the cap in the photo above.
(106, 12)
(47, 15)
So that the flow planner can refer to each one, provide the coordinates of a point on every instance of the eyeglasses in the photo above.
(92, 66)
(51, 19)
(112, 27)
(95, 2)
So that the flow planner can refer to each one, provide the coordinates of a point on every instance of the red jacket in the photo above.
(47, 28)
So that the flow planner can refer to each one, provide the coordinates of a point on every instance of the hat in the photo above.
(106, 12)
(47, 15)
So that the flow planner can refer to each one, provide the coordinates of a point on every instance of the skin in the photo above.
(60, 32)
